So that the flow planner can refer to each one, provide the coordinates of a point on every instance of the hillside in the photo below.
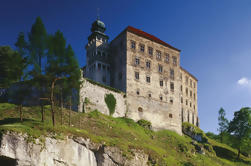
(162, 147)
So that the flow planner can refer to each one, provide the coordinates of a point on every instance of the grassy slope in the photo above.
(164, 147)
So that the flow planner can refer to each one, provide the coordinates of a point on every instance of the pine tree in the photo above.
(223, 124)
(62, 68)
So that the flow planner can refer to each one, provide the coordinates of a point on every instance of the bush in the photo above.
(110, 102)
(144, 123)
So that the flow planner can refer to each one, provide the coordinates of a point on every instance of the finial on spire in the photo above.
(98, 17)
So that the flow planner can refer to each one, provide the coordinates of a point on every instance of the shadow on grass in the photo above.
(227, 154)
(16, 120)
(187, 164)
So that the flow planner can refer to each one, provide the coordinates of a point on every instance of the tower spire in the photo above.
(98, 16)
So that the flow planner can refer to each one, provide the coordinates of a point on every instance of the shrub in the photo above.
(110, 102)
(144, 123)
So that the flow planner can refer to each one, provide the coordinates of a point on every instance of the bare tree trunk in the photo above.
(70, 113)
(61, 106)
(239, 151)
(52, 101)
(79, 120)
(21, 112)
(42, 112)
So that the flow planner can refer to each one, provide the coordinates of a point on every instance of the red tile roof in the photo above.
(149, 36)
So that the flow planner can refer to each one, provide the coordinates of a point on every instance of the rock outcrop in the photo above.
(18, 150)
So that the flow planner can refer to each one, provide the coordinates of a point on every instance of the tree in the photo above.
(37, 47)
(62, 67)
(223, 124)
(11, 66)
(240, 127)
(37, 43)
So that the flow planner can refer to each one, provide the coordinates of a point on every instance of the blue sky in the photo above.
(214, 37)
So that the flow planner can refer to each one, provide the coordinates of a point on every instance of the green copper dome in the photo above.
(98, 26)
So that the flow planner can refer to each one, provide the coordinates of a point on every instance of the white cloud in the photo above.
(244, 82)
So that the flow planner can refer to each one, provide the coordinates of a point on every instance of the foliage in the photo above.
(110, 102)
(37, 44)
(163, 147)
(240, 127)
(62, 67)
(223, 123)
(145, 123)
(12, 65)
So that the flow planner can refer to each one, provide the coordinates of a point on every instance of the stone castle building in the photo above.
(147, 70)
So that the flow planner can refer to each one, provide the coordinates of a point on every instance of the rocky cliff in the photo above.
(17, 149)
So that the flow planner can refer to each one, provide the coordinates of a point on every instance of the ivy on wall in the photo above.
(110, 102)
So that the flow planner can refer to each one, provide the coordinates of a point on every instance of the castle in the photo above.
(147, 70)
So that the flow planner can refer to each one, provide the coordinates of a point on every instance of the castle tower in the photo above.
(97, 59)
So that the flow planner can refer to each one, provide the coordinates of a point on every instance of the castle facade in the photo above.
(147, 70)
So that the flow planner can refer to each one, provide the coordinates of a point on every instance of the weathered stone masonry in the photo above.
(147, 70)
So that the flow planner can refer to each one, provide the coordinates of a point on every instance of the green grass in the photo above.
(164, 147)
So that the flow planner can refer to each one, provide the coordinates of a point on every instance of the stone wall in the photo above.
(92, 97)
(160, 104)
(188, 97)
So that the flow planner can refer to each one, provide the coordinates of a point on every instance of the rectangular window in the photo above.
(160, 68)
(186, 79)
(181, 100)
(181, 88)
(194, 85)
(174, 60)
(142, 48)
(104, 67)
(133, 45)
(137, 75)
(99, 66)
(150, 50)
(148, 64)
(194, 96)
(172, 74)
(172, 86)
(148, 79)
(191, 93)
(186, 91)
(104, 79)
(137, 61)
(158, 55)
(191, 83)
(161, 83)
(167, 58)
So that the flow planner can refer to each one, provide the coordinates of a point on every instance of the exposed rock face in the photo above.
(15, 150)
